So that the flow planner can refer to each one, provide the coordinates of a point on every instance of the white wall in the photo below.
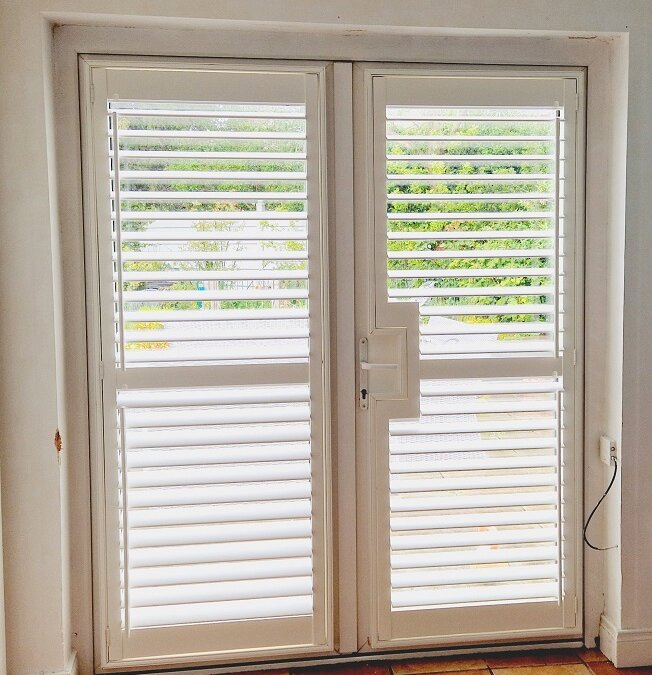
(3, 646)
(42, 360)
(31, 489)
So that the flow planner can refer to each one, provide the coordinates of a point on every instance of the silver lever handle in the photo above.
(365, 365)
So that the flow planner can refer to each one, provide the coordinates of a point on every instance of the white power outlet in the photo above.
(607, 450)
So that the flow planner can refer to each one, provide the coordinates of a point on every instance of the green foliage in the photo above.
(533, 165)
(511, 163)
(145, 325)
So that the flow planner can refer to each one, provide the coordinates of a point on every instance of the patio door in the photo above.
(469, 315)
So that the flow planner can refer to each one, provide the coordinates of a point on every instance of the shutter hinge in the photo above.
(101, 371)
(107, 639)
(92, 93)
(574, 357)
(576, 604)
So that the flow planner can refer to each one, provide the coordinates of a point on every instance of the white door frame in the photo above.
(593, 55)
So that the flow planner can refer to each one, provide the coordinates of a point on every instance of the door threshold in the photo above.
(376, 656)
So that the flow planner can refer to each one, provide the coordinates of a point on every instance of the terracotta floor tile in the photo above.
(345, 669)
(556, 669)
(591, 655)
(484, 671)
(557, 662)
(536, 658)
(421, 666)
(607, 668)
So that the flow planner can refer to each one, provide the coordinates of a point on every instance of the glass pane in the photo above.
(475, 227)
(210, 233)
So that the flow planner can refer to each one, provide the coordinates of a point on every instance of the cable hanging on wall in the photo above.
(595, 508)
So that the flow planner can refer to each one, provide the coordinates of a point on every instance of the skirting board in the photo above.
(625, 647)
(71, 668)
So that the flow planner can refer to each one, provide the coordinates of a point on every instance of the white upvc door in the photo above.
(207, 302)
(469, 325)
(211, 356)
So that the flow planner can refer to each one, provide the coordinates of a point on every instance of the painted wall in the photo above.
(42, 365)
(31, 486)
(3, 647)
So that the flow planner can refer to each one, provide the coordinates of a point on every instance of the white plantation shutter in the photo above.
(210, 266)
(213, 485)
(507, 243)
(477, 231)
(485, 457)
(210, 240)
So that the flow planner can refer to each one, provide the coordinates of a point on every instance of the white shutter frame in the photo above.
(479, 90)
(205, 84)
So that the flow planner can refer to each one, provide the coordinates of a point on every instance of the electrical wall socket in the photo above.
(607, 449)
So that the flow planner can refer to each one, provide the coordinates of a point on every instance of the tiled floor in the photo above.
(559, 662)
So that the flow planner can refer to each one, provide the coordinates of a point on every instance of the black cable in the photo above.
(586, 527)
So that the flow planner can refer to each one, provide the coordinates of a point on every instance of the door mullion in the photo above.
(343, 427)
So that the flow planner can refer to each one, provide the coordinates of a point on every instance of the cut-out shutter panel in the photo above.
(480, 253)
(212, 351)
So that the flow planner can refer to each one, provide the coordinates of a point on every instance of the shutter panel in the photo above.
(210, 270)
(207, 489)
(490, 498)
(478, 471)
(191, 248)
(506, 221)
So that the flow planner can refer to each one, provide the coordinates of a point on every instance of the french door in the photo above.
(210, 272)
(469, 315)
(211, 326)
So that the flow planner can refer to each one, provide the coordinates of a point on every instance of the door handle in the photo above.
(365, 365)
